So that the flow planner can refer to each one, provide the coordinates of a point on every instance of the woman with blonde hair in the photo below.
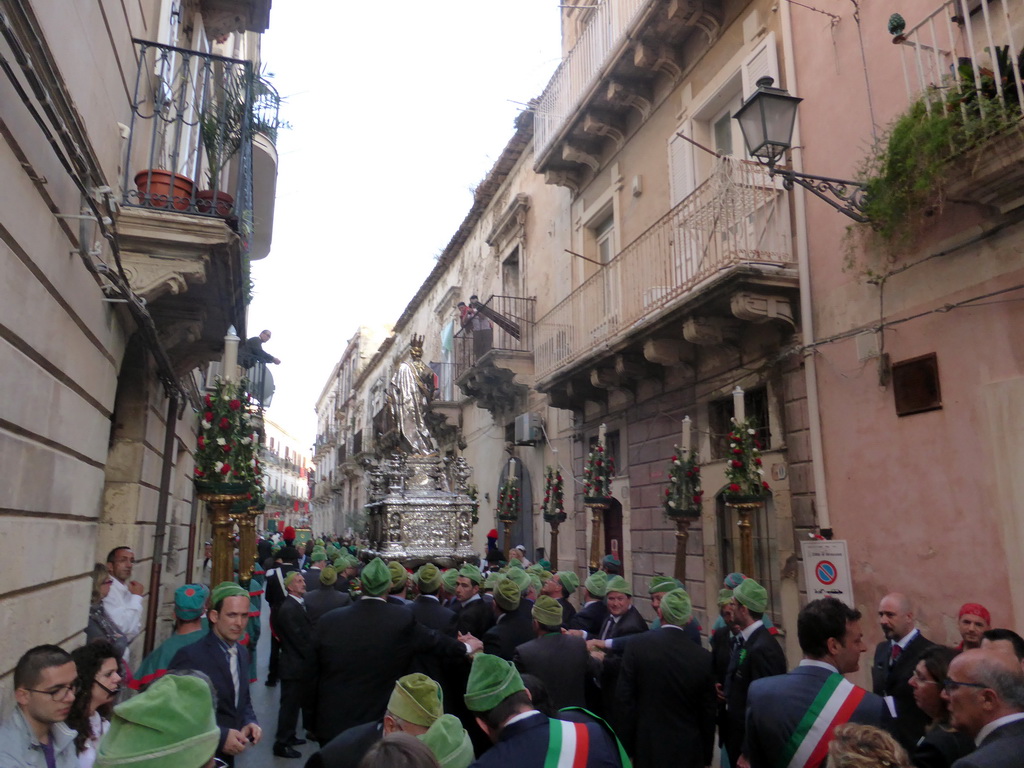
(864, 746)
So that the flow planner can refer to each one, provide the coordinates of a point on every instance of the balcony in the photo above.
(948, 59)
(709, 259)
(223, 16)
(609, 78)
(491, 363)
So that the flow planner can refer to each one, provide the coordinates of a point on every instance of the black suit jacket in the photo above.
(568, 610)
(762, 656)
(895, 681)
(668, 686)
(430, 613)
(209, 657)
(295, 633)
(360, 652)
(1001, 749)
(274, 587)
(312, 577)
(563, 664)
(324, 599)
(511, 630)
(475, 617)
(589, 618)
(348, 748)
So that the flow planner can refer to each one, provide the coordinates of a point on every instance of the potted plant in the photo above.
(160, 188)
(223, 121)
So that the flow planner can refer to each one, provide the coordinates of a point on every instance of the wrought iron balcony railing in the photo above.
(190, 138)
(967, 53)
(266, 109)
(506, 323)
(738, 216)
(582, 67)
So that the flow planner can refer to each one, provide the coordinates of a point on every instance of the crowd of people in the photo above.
(512, 665)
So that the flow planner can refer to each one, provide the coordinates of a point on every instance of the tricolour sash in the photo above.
(568, 745)
(833, 706)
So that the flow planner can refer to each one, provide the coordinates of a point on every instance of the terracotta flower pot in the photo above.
(221, 202)
(163, 189)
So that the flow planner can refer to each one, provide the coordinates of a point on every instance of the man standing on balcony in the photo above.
(252, 351)
(480, 326)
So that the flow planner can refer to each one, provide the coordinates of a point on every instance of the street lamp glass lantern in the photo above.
(766, 121)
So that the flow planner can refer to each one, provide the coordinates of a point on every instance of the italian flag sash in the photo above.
(833, 706)
(568, 745)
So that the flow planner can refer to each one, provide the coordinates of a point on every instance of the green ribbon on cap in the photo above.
(676, 607)
(491, 681)
(547, 611)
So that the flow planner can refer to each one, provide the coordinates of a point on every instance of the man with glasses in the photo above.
(35, 735)
(985, 692)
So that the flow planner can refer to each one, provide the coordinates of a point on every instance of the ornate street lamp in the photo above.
(766, 121)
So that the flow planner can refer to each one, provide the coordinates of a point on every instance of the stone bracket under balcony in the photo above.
(188, 270)
(992, 174)
(495, 381)
(444, 419)
(223, 16)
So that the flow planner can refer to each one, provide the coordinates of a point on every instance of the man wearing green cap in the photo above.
(220, 657)
(524, 737)
(722, 639)
(170, 725)
(559, 660)
(189, 606)
(475, 617)
(449, 742)
(363, 649)
(312, 574)
(416, 703)
(661, 586)
(561, 586)
(399, 583)
(591, 616)
(427, 606)
(325, 597)
(513, 625)
(668, 686)
(757, 654)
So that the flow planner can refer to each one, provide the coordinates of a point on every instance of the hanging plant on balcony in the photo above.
(472, 493)
(744, 472)
(684, 496)
(508, 501)
(597, 475)
(225, 460)
(554, 496)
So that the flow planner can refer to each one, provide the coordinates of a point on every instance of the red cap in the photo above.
(289, 534)
(493, 534)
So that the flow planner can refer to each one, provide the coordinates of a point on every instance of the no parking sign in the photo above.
(827, 570)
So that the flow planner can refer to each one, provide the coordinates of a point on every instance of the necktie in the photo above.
(233, 666)
(607, 630)
(896, 651)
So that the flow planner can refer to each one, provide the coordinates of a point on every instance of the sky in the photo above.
(398, 109)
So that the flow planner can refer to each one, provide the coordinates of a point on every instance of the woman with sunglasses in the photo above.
(940, 746)
(99, 682)
(101, 626)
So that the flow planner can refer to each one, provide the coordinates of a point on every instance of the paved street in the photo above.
(266, 700)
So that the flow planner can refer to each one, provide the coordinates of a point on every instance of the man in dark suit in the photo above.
(668, 687)
(561, 661)
(895, 660)
(294, 629)
(287, 561)
(224, 661)
(427, 606)
(514, 625)
(561, 586)
(325, 597)
(497, 696)
(475, 616)
(721, 650)
(312, 574)
(757, 654)
(985, 692)
(623, 621)
(363, 649)
(832, 642)
(590, 618)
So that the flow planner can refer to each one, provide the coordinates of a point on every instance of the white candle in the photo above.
(230, 360)
(739, 410)
(684, 443)
(600, 435)
(512, 468)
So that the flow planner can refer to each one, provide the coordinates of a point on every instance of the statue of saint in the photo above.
(409, 395)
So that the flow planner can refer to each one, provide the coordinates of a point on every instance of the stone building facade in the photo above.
(115, 296)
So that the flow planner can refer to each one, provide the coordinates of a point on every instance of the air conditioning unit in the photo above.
(527, 431)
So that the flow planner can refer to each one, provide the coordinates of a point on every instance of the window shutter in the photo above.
(762, 61)
(680, 164)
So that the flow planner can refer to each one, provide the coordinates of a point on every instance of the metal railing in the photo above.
(581, 68)
(506, 323)
(266, 109)
(190, 137)
(738, 216)
(956, 51)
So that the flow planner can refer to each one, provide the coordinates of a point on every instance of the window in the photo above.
(510, 274)
(604, 237)
(720, 413)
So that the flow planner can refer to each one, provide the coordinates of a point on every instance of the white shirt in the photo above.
(1006, 720)
(124, 609)
(746, 633)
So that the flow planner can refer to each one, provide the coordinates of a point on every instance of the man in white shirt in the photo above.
(985, 691)
(123, 603)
